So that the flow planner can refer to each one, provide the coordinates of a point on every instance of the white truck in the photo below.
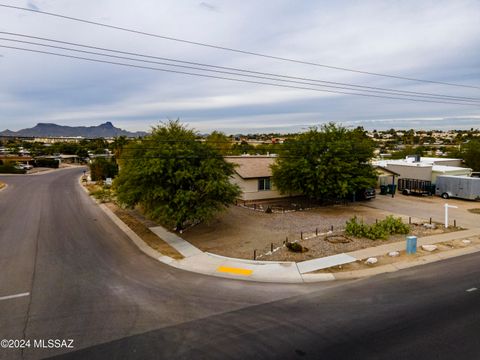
(462, 187)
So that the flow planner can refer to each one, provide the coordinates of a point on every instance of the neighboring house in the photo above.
(13, 159)
(253, 176)
(426, 169)
(386, 176)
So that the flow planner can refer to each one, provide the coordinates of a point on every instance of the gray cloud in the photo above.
(433, 40)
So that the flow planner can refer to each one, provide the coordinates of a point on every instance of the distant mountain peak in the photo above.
(106, 130)
(108, 124)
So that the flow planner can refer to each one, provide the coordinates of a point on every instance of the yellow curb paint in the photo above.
(235, 271)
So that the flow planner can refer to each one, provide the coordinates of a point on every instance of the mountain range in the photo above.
(105, 130)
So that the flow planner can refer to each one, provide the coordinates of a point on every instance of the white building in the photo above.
(424, 168)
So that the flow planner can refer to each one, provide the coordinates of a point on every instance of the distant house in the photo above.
(253, 175)
(424, 168)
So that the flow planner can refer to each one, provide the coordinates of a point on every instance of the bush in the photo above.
(295, 247)
(50, 163)
(380, 230)
(10, 169)
(103, 195)
(100, 169)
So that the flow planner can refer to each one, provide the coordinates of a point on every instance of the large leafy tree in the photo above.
(326, 163)
(218, 140)
(175, 178)
(471, 154)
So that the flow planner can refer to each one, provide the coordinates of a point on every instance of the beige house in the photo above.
(253, 176)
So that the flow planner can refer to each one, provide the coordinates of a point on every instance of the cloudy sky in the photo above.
(435, 40)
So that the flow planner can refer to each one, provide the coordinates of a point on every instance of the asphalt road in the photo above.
(87, 282)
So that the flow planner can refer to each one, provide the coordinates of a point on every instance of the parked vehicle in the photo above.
(415, 187)
(462, 187)
(23, 167)
(365, 194)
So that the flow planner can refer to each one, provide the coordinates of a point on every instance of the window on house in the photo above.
(263, 184)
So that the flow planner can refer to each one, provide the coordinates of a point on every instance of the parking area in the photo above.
(429, 206)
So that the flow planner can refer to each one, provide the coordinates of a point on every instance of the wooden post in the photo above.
(255, 254)
(271, 247)
(331, 228)
(316, 231)
(454, 223)
(301, 235)
(430, 220)
(409, 220)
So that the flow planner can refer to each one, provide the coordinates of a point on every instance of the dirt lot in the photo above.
(139, 225)
(238, 231)
(385, 259)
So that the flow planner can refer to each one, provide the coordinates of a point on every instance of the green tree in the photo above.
(243, 148)
(175, 178)
(117, 145)
(471, 154)
(332, 162)
(100, 169)
(218, 140)
(409, 150)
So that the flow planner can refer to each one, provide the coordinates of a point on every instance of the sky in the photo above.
(433, 40)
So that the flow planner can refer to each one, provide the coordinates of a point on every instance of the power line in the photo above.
(329, 83)
(392, 92)
(232, 49)
(235, 79)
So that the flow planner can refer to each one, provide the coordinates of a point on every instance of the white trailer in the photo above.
(462, 187)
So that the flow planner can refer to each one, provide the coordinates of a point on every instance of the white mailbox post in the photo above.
(446, 213)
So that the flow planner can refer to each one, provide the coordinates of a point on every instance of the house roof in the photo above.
(249, 167)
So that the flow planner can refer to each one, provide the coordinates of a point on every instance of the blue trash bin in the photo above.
(411, 244)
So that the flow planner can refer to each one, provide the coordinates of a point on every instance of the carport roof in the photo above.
(386, 170)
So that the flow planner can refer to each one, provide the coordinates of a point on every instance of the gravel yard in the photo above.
(239, 231)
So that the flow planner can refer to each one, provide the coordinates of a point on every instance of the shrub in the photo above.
(380, 230)
(50, 163)
(100, 169)
(9, 169)
(103, 195)
(295, 247)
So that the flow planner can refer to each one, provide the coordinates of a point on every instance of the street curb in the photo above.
(306, 278)
(137, 240)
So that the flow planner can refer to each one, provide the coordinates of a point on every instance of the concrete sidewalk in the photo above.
(290, 272)
(286, 272)
(211, 264)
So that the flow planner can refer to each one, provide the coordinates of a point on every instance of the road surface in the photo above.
(77, 276)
